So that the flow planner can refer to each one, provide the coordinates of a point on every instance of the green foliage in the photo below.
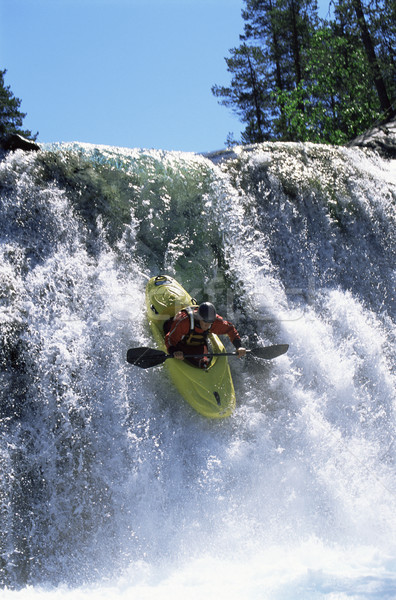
(382, 19)
(314, 80)
(248, 94)
(336, 101)
(11, 118)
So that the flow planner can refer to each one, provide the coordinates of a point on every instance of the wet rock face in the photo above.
(381, 138)
(15, 141)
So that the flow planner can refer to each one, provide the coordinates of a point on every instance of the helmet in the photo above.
(207, 312)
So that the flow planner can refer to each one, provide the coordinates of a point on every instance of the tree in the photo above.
(312, 79)
(275, 41)
(11, 118)
(339, 101)
(381, 15)
(379, 83)
(247, 95)
(264, 25)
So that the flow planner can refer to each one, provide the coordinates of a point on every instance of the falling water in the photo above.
(111, 485)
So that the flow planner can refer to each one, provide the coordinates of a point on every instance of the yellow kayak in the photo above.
(211, 391)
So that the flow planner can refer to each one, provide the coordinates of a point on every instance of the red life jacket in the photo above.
(193, 337)
(187, 332)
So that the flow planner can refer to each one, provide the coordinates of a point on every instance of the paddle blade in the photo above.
(146, 357)
(270, 351)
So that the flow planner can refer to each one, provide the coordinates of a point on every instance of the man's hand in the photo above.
(241, 352)
(179, 355)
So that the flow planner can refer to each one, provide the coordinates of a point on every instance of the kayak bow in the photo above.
(209, 391)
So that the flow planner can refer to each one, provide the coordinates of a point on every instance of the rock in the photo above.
(14, 141)
(381, 138)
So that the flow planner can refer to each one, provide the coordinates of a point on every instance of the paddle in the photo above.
(149, 357)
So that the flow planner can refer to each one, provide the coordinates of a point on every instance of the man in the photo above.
(188, 332)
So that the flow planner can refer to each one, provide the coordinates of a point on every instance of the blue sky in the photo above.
(132, 73)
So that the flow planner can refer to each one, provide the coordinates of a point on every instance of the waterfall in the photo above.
(110, 483)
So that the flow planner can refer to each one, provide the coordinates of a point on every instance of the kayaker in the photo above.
(187, 333)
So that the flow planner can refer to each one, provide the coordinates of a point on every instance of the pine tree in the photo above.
(380, 18)
(11, 118)
(339, 101)
(383, 29)
(299, 78)
(375, 70)
(247, 95)
(274, 50)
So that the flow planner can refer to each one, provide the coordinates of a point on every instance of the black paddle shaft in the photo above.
(149, 357)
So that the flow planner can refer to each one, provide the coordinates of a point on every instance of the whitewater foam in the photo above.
(112, 486)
